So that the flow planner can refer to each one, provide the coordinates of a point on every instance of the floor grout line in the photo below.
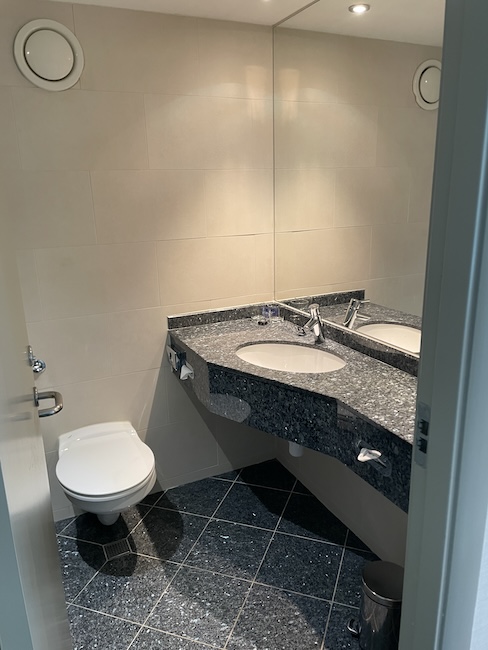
(334, 593)
(259, 568)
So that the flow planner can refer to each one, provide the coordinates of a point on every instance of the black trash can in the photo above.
(378, 627)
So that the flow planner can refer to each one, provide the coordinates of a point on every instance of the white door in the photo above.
(32, 607)
(446, 580)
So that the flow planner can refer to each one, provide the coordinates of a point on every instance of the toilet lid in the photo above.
(105, 464)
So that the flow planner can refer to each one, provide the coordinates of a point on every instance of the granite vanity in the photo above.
(367, 405)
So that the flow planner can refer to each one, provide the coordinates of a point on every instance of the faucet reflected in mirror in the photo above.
(353, 167)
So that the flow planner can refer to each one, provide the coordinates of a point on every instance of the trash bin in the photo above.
(378, 627)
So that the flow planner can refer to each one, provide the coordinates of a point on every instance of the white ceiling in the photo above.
(411, 21)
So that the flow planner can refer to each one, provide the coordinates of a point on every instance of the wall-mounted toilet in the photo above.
(105, 468)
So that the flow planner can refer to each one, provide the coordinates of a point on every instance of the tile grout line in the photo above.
(322, 647)
(259, 567)
(182, 563)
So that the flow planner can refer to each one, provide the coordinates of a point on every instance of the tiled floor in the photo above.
(248, 560)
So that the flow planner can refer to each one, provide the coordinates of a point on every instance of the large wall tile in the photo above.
(137, 340)
(31, 297)
(80, 130)
(208, 132)
(52, 209)
(137, 51)
(149, 205)
(13, 16)
(311, 135)
(398, 249)
(406, 137)
(74, 349)
(319, 257)
(304, 199)
(239, 202)
(139, 397)
(420, 194)
(403, 292)
(305, 66)
(96, 279)
(9, 147)
(374, 195)
(234, 60)
(205, 269)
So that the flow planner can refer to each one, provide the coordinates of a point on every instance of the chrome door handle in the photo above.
(48, 394)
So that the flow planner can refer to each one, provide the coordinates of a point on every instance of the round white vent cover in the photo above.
(48, 54)
(427, 84)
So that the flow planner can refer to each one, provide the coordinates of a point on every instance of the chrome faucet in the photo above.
(315, 324)
(352, 312)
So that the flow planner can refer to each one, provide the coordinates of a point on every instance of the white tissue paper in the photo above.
(368, 454)
(186, 371)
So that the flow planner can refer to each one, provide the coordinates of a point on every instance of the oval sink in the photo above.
(401, 336)
(290, 357)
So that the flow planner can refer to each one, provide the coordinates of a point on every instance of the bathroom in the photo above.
(98, 284)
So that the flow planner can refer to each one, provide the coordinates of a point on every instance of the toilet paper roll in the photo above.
(186, 371)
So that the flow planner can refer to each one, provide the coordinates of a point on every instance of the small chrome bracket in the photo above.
(37, 365)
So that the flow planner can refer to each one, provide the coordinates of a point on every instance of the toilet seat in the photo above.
(103, 461)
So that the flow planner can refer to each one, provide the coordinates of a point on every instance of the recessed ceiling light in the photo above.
(359, 9)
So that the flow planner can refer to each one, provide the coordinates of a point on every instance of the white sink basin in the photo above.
(290, 357)
(401, 336)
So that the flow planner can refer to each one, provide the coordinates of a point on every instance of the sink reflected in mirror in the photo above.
(400, 336)
(290, 357)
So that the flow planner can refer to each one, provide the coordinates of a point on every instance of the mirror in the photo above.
(354, 158)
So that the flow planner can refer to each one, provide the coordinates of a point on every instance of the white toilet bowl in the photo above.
(105, 468)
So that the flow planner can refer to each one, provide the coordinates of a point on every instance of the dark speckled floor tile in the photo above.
(301, 489)
(302, 565)
(59, 526)
(151, 499)
(150, 639)
(200, 605)
(79, 563)
(91, 630)
(305, 515)
(128, 587)
(89, 529)
(349, 584)
(167, 534)
(279, 620)
(338, 636)
(246, 504)
(268, 474)
(200, 497)
(230, 548)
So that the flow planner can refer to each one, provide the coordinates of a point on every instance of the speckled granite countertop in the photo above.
(382, 394)
(376, 314)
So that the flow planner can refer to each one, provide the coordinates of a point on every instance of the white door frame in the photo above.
(447, 547)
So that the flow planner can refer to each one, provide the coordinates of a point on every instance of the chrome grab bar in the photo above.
(48, 394)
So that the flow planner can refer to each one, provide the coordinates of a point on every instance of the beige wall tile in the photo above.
(96, 279)
(239, 202)
(208, 132)
(242, 300)
(420, 194)
(406, 137)
(52, 209)
(305, 66)
(322, 257)
(205, 269)
(375, 195)
(13, 16)
(139, 397)
(404, 293)
(377, 72)
(9, 146)
(137, 340)
(304, 199)
(137, 51)
(74, 349)
(234, 60)
(26, 265)
(398, 249)
(149, 205)
(311, 135)
(80, 130)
